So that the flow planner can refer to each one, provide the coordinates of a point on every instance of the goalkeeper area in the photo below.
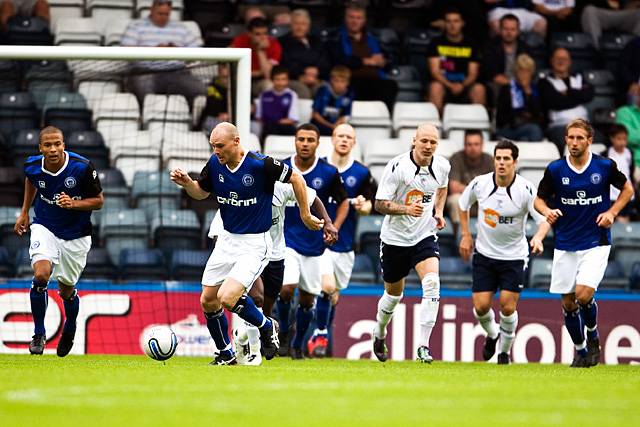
(136, 391)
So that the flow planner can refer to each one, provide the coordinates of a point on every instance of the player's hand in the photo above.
(440, 221)
(358, 202)
(312, 223)
(536, 246)
(22, 224)
(329, 233)
(64, 201)
(466, 247)
(415, 209)
(180, 177)
(605, 219)
(553, 215)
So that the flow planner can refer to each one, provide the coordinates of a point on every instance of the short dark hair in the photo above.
(309, 126)
(48, 130)
(257, 22)
(355, 5)
(452, 9)
(617, 128)
(507, 144)
(279, 69)
(471, 132)
(510, 17)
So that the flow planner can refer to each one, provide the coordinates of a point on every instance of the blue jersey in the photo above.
(244, 194)
(357, 181)
(581, 196)
(78, 179)
(326, 180)
(331, 106)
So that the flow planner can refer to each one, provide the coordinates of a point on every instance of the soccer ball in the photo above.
(159, 343)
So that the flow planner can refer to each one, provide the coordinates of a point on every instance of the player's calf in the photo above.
(71, 303)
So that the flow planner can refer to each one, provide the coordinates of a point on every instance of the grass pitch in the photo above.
(137, 391)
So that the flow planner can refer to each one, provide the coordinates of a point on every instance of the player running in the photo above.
(337, 260)
(67, 189)
(577, 189)
(304, 247)
(243, 183)
(504, 200)
(412, 195)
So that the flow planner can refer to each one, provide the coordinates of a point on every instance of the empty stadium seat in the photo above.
(114, 31)
(23, 267)
(17, 112)
(90, 145)
(142, 264)
(605, 89)
(536, 154)
(363, 270)
(540, 272)
(165, 109)
(126, 228)
(93, 91)
(78, 32)
(456, 118)
(175, 229)
(611, 46)
(371, 120)
(111, 177)
(10, 76)
(107, 10)
(537, 47)
(409, 115)
(626, 243)
(6, 263)
(407, 78)
(279, 146)
(24, 144)
(11, 186)
(634, 277)
(187, 264)
(60, 9)
(221, 35)
(389, 44)
(117, 106)
(417, 43)
(305, 110)
(24, 30)
(67, 111)
(8, 238)
(614, 277)
(99, 265)
(455, 273)
(380, 151)
(154, 190)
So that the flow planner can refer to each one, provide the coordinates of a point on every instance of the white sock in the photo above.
(488, 323)
(429, 306)
(240, 336)
(386, 305)
(508, 325)
(253, 335)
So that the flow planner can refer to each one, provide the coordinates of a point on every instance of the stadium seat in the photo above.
(187, 265)
(538, 48)
(11, 186)
(23, 269)
(142, 264)
(221, 35)
(371, 120)
(24, 30)
(144, 6)
(447, 240)
(6, 264)
(389, 44)
(113, 32)
(536, 154)
(370, 246)
(40, 89)
(459, 117)
(78, 32)
(93, 91)
(363, 270)
(67, 111)
(107, 10)
(253, 144)
(278, 31)
(126, 228)
(165, 109)
(175, 229)
(17, 112)
(46, 70)
(417, 43)
(605, 88)
(10, 76)
(447, 147)
(580, 46)
(540, 272)
(614, 277)
(455, 273)
(154, 190)
(90, 145)
(407, 78)
(99, 265)
(368, 224)
(117, 106)
(634, 277)
(611, 46)
(209, 12)
(206, 224)
(23, 145)
(60, 9)
(626, 243)
(111, 178)
(279, 146)
(408, 115)
(380, 151)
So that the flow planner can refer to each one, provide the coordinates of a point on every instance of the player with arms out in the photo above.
(505, 199)
(578, 188)
(66, 188)
(337, 260)
(412, 195)
(243, 184)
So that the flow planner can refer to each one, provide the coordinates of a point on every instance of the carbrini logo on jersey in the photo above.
(417, 196)
(234, 201)
(581, 200)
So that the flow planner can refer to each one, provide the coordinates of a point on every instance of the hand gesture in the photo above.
(536, 246)
(180, 177)
(552, 215)
(605, 219)
(415, 209)
(22, 224)
(312, 223)
(64, 201)
(440, 221)
(466, 247)
(329, 233)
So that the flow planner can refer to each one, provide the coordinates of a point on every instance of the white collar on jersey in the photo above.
(295, 168)
(584, 168)
(239, 163)
(429, 167)
(66, 162)
(346, 167)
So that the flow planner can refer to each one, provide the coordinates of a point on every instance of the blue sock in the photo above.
(575, 327)
(332, 315)
(284, 309)
(323, 309)
(39, 301)
(219, 330)
(71, 308)
(589, 313)
(303, 319)
(247, 310)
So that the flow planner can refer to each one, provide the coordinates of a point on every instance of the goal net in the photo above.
(135, 113)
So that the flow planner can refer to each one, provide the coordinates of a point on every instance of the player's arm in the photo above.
(546, 190)
(199, 189)
(618, 180)
(362, 203)
(467, 199)
(441, 200)
(536, 241)
(339, 194)
(386, 192)
(300, 190)
(22, 223)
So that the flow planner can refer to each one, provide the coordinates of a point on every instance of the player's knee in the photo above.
(209, 303)
(507, 309)
(42, 275)
(228, 301)
(286, 294)
(307, 300)
(258, 299)
(431, 286)
(482, 308)
(569, 305)
(67, 292)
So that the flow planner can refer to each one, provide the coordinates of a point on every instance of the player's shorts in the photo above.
(397, 261)
(24, 7)
(272, 277)
(67, 256)
(239, 256)
(338, 264)
(580, 267)
(492, 275)
(302, 270)
(527, 18)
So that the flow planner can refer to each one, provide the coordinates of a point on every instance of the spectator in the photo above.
(265, 53)
(360, 51)
(303, 54)
(620, 153)
(308, 83)
(216, 109)
(603, 15)
(453, 65)
(473, 13)
(630, 68)
(529, 20)
(563, 96)
(500, 54)
(277, 108)
(171, 77)
(466, 165)
(519, 108)
(629, 116)
(37, 8)
(332, 103)
(252, 12)
(558, 13)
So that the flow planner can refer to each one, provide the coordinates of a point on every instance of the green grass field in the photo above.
(136, 391)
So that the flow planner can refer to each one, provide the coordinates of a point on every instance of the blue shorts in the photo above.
(272, 277)
(397, 261)
(491, 275)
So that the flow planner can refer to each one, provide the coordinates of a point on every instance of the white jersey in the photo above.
(404, 182)
(502, 215)
(283, 194)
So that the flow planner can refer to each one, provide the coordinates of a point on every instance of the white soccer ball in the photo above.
(159, 343)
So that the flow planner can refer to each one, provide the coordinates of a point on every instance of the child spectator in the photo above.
(620, 153)
(332, 102)
(277, 108)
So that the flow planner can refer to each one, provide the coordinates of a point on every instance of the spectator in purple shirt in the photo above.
(277, 108)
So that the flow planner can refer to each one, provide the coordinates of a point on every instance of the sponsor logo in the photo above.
(581, 200)
(417, 196)
(276, 162)
(247, 180)
(351, 181)
(565, 180)
(42, 184)
(493, 218)
(95, 174)
(596, 178)
(55, 199)
(234, 201)
(317, 183)
(35, 245)
(70, 182)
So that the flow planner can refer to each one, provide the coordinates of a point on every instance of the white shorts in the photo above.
(303, 271)
(239, 256)
(338, 264)
(581, 267)
(527, 18)
(67, 256)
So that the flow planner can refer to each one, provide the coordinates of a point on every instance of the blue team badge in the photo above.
(351, 181)
(42, 184)
(317, 182)
(596, 178)
(581, 194)
(69, 182)
(565, 180)
(220, 177)
(35, 245)
(247, 180)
